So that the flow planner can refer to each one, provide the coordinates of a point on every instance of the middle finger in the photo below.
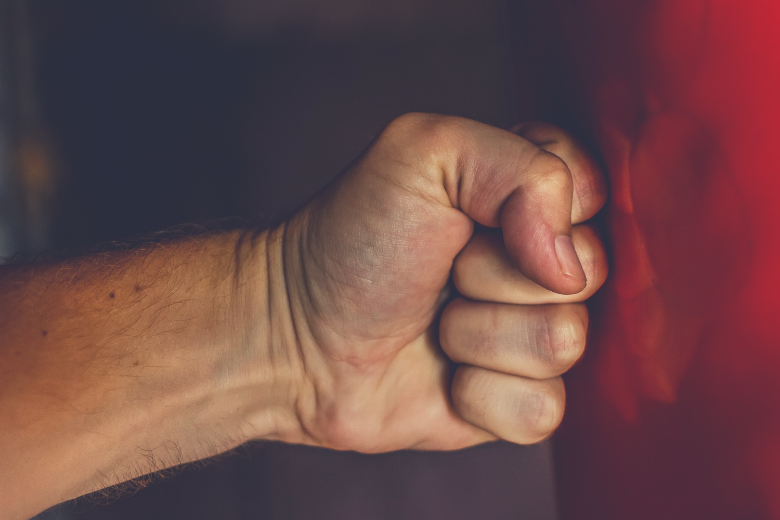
(536, 341)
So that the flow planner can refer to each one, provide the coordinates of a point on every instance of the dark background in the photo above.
(165, 112)
(149, 114)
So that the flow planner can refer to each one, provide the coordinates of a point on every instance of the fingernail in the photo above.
(567, 257)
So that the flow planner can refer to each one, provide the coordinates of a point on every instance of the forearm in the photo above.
(118, 365)
(323, 331)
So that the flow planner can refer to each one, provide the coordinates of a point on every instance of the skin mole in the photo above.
(111, 295)
(44, 332)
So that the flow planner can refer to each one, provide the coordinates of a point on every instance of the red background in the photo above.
(674, 412)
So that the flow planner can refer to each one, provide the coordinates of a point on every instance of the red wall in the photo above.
(675, 412)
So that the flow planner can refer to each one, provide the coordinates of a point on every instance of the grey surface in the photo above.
(278, 482)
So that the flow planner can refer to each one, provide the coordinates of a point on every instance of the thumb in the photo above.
(536, 223)
(501, 179)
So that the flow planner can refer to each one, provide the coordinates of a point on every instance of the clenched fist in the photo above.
(369, 267)
(375, 319)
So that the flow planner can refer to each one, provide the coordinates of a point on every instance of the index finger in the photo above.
(498, 179)
(589, 184)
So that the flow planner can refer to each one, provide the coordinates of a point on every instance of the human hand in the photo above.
(324, 331)
(367, 263)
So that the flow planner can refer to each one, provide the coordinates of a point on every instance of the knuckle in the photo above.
(420, 130)
(566, 334)
(407, 123)
(549, 172)
(593, 257)
(545, 412)
(588, 196)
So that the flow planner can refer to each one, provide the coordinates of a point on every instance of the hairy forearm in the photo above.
(323, 331)
(117, 365)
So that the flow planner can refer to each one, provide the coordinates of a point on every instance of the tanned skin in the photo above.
(339, 328)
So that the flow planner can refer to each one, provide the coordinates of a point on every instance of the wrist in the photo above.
(224, 377)
(212, 379)
(290, 348)
(264, 356)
